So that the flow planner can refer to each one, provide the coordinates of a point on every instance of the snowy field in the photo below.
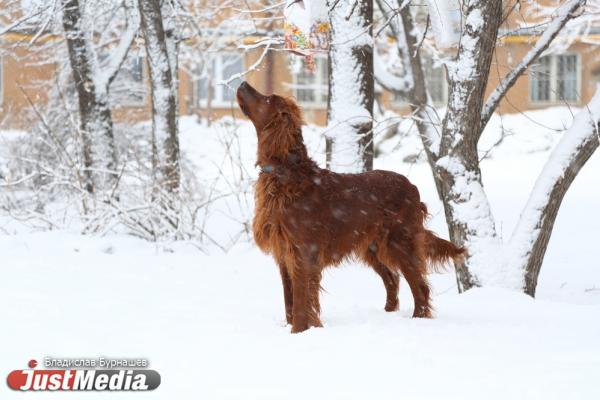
(212, 323)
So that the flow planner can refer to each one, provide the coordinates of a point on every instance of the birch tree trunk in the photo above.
(159, 44)
(351, 86)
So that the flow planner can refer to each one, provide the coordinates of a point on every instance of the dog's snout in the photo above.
(252, 103)
(242, 88)
(247, 90)
(244, 92)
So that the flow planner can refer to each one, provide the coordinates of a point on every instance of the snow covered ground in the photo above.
(213, 327)
(212, 323)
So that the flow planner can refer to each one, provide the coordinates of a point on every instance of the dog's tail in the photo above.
(440, 251)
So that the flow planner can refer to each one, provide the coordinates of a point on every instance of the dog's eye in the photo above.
(268, 100)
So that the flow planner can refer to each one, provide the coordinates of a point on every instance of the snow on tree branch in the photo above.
(412, 84)
(119, 53)
(469, 73)
(252, 68)
(415, 89)
(565, 13)
(385, 78)
(388, 80)
(445, 21)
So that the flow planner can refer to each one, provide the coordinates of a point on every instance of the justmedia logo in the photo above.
(83, 378)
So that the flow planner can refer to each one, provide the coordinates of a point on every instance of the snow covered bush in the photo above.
(42, 184)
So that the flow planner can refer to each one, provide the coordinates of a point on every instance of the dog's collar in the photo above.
(291, 160)
(267, 168)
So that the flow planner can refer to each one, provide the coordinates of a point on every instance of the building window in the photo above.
(128, 88)
(221, 68)
(540, 80)
(555, 78)
(435, 79)
(136, 69)
(399, 98)
(311, 88)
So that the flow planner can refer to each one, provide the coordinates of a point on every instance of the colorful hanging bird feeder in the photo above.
(307, 29)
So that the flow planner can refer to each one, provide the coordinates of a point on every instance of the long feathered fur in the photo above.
(310, 218)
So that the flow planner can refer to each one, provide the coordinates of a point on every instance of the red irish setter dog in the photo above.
(309, 218)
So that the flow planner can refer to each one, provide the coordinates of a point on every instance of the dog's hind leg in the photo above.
(287, 291)
(390, 278)
(415, 276)
(405, 251)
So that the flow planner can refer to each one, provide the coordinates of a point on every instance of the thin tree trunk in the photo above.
(550, 211)
(426, 118)
(172, 150)
(351, 88)
(164, 95)
(468, 214)
(81, 73)
(530, 238)
(94, 111)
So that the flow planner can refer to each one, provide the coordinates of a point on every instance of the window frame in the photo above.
(554, 99)
(142, 59)
(319, 102)
(217, 100)
(443, 80)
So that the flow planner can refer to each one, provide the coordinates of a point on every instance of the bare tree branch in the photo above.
(388, 80)
(408, 45)
(565, 13)
(119, 53)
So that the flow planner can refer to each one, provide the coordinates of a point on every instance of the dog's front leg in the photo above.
(300, 295)
(287, 291)
(313, 298)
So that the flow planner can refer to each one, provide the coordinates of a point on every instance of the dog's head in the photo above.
(278, 121)
(267, 110)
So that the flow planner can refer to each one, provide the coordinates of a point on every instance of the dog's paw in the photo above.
(299, 328)
(392, 306)
(422, 312)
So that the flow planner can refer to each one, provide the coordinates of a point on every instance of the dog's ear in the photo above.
(287, 119)
(291, 113)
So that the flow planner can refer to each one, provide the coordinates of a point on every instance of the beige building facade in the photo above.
(566, 77)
